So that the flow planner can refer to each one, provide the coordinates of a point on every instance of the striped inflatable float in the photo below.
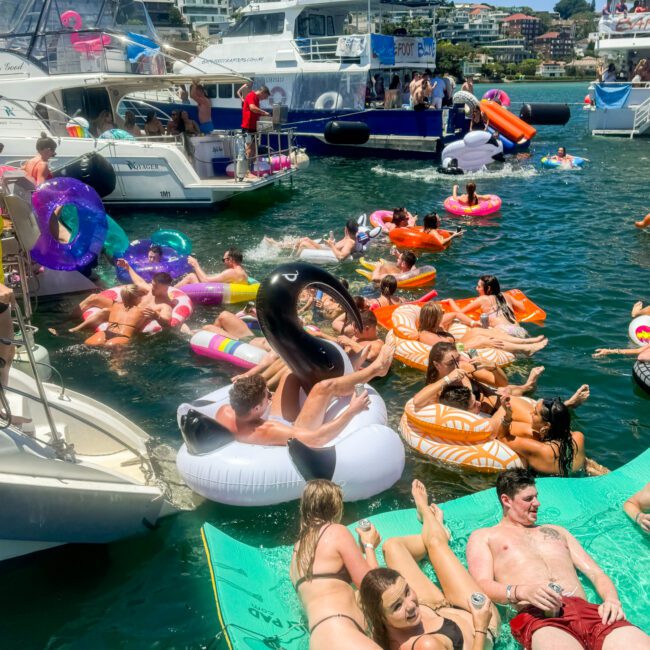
(222, 348)
(180, 313)
(489, 456)
(425, 277)
(414, 353)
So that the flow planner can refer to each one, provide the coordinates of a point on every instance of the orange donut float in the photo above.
(414, 237)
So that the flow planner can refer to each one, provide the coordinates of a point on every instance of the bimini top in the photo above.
(53, 33)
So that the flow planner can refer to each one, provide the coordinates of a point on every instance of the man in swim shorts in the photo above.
(520, 563)
(198, 94)
(234, 272)
(637, 508)
(257, 417)
(364, 339)
(403, 269)
(341, 249)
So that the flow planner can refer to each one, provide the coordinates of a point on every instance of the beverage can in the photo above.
(460, 347)
(553, 613)
(358, 389)
(477, 599)
(364, 524)
(485, 321)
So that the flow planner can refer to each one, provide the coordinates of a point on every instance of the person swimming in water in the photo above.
(471, 198)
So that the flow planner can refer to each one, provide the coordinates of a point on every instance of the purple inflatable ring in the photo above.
(136, 255)
(91, 230)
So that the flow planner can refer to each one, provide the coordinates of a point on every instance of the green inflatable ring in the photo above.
(179, 241)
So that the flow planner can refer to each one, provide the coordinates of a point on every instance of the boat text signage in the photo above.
(630, 23)
(414, 50)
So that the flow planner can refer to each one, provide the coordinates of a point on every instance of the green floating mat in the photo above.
(258, 608)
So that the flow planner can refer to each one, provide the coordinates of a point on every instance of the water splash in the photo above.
(269, 250)
(431, 175)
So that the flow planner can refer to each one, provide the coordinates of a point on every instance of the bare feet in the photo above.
(536, 347)
(637, 309)
(579, 397)
(534, 376)
(644, 222)
(433, 528)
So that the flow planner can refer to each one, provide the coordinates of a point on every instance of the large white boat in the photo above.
(57, 63)
(315, 62)
(622, 107)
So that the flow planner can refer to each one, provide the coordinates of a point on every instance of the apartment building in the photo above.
(214, 13)
(554, 45)
(522, 26)
(508, 50)
(473, 24)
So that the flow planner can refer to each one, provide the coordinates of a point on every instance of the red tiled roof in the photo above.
(548, 35)
(519, 17)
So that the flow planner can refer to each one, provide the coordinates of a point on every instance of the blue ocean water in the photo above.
(565, 238)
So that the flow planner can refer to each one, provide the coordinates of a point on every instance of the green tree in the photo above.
(528, 66)
(450, 57)
(567, 8)
(176, 17)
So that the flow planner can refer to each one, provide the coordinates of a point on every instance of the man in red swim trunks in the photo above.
(520, 563)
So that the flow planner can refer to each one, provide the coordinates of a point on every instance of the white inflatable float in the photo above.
(474, 151)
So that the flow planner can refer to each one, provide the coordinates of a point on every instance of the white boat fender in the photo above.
(330, 101)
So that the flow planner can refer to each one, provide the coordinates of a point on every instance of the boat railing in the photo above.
(331, 48)
(641, 118)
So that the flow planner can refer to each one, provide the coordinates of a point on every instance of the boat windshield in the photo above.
(39, 29)
(258, 25)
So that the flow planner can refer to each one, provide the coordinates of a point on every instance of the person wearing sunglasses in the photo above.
(233, 273)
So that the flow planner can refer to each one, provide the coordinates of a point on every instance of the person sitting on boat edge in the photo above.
(255, 416)
(199, 95)
(326, 563)
(234, 272)
(533, 568)
(37, 168)
(406, 610)
(637, 508)
(403, 269)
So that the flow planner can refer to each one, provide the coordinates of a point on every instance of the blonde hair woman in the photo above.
(326, 562)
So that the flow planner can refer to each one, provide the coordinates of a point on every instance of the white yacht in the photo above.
(316, 61)
(57, 63)
(621, 107)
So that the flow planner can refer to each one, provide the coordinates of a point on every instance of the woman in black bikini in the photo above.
(406, 611)
(326, 563)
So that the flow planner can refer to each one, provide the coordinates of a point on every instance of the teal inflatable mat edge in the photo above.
(258, 609)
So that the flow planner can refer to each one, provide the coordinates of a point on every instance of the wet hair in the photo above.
(352, 227)
(471, 193)
(321, 503)
(368, 319)
(235, 255)
(45, 142)
(400, 219)
(491, 287)
(430, 317)
(371, 592)
(360, 302)
(431, 221)
(514, 480)
(409, 258)
(438, 351)
(388, 286)
(130, 295)
(162, 278)
(457, 397)
(558, 416)
(155, 248)
(246, 394)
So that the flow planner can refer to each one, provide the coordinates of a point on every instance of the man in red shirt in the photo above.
(251, 112)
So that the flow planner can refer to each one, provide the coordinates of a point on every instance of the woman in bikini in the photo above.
(326, 562)
(471, 198)
(407, 611)
(124, 320)
(500, 308)
(387, 290)
(37, 168)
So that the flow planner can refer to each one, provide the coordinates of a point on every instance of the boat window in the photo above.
(86, 102)
(302, 27)
(210, 90)
(329, 91)
(316, 25)
(330, 26)
(225, 91)
(258, 25)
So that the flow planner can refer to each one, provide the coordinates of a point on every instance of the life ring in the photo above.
(412, 352)
(116, 241)
(221, 348)
(568, 162)
(278, 91)
(641, 374)
(366, 458)
(467, 98)
(639, 330)
(181, 311)
(425, 276)
(498, 95)
(221, 293)
(482, 209)
(136, 255)
(330, 101)
(488, 456)
(414, 237)
(92, 225)
(379, 218)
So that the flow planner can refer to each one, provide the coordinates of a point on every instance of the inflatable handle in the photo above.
(427, 296)
(91, 228)
(311, 359)
(179, 241)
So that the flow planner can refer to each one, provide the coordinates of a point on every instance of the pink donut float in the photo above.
(379, 218)
(482, 209)
(180, 313)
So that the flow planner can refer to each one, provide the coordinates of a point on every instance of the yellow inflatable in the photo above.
(414, 353)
